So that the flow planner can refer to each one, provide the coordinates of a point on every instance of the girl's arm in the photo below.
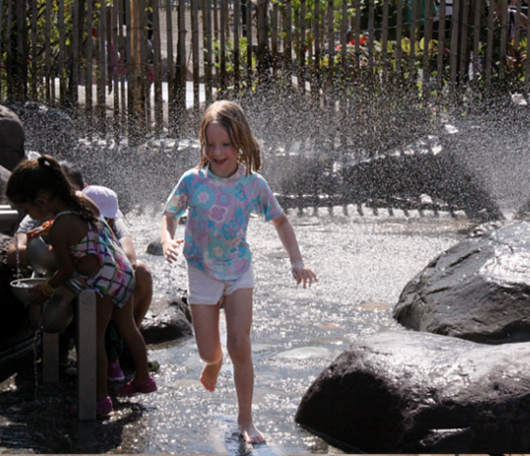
(301, 272)
(58, 237)
(170, 245)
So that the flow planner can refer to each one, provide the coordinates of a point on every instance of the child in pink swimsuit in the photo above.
(86, 248)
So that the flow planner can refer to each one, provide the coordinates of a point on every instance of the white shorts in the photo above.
(203, 289)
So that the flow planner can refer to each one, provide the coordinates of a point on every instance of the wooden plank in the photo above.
(157, 68)
(288, 46)
(208, 81)
(170, 72)
(114, 75)
(504, 37)
(427, 36)
(263, 42)
(102, 68)
(274, 38)
(301, 48)
(357, 35)
(88, 52)
(384, 42)
(76, 30)
(249, 45)
(237, 50)
(517, 24)
(47, 51)
(343, 39)
(121, 62)
(412, 37)
(476, 40)
(315, 80)
(145, 82)
(399, 36)
(331, 43)
(181, 60)
(371, 38)
(464, 40)
(489, 48)
(195, 49)
(22, 51)
(441, 48)
(34, 62)
(9, 50)
(62, 54)
(454, 42)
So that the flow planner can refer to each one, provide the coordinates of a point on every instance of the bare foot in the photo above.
(251, 434)
(209, 375)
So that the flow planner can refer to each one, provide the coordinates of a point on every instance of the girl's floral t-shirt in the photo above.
(218, 214)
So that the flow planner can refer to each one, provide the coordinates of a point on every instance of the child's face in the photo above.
(35, 210)
(220, 151)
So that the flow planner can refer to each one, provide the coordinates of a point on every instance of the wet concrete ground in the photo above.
(362, 263)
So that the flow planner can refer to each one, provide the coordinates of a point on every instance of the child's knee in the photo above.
(239, 349)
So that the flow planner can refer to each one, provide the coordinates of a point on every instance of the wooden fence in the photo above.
(127, 62)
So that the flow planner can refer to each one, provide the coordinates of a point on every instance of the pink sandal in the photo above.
(145, 386)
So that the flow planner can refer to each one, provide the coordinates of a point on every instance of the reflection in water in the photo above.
(362, 263)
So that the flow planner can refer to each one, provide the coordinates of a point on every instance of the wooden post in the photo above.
(288, 47)
(222, 57)
(504, 37)
(47, 50)
(102, 69)
(88, 73)
(315, 80)
(427, 35)
(301, 49)
(195, 52)
(62, 55)
(249, 45)
(74, 76)
(22, 51)
(170, 74)
(157, 69)
(384, 43)
(441, 47)
(489, 48)
(263, 42)
(399, 31)
(34, 63)
(208, 73)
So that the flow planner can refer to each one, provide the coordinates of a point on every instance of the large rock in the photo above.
(11, 139)
(48, 131)
(167, 321)
(408, 392)
(478, 289)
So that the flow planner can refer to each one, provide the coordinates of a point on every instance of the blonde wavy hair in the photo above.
(230, 116)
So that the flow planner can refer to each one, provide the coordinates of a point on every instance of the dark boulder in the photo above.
(11, 139)
(479, 289)
(409, 392)
(48, 131)
(167, 321)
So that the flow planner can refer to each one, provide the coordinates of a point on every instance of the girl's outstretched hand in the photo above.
(171, 249)
(303, 274)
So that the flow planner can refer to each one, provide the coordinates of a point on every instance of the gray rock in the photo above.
(408, 392)
(4, 177)
(155, 248)
(478, 289)
(167, 322)
(48, 131)
(11, 139)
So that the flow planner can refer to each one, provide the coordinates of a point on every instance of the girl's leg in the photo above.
(206, 327)
(238, 310)
(103, 312)
(133, 338)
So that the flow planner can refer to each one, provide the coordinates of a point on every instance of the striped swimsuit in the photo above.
(115, 279)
